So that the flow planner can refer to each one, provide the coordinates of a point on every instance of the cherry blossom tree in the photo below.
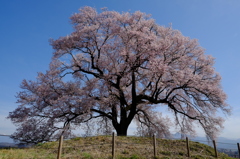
(123, 67)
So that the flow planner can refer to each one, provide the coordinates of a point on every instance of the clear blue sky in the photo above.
(27, 25)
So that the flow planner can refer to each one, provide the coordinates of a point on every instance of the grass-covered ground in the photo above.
(100, 147)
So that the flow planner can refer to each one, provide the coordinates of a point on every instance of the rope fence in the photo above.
(152, 147)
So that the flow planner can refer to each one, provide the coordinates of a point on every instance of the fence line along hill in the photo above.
(101, 147)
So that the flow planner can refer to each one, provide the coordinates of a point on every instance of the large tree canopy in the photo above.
(121, 68)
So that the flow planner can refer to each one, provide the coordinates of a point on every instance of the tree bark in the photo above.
(122, 130)
(121, 127)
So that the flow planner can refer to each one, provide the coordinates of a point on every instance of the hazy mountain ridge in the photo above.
(6, 141)
(222, 142)
(6, 145)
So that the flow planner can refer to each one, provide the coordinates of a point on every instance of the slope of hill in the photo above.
(100, 147)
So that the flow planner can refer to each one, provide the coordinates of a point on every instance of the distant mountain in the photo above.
(6, 139)
(6, 145)
(222, 142)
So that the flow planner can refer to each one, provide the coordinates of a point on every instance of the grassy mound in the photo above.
(100, 147)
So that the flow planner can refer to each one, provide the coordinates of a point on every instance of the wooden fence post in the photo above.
(154, 146)
(113, 145)
(188, 149)
(215, 149)
(238, 150)
(60, 147)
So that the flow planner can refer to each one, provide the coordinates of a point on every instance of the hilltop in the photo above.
(99, 147)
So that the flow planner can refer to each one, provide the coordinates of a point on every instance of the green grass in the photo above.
(99, 147)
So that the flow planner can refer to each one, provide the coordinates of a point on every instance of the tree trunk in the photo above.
(125, 118)
(122, 127)
(122, 130)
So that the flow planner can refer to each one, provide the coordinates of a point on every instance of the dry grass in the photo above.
(100, 147)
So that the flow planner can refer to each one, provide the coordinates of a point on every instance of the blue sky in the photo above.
(27, 25)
